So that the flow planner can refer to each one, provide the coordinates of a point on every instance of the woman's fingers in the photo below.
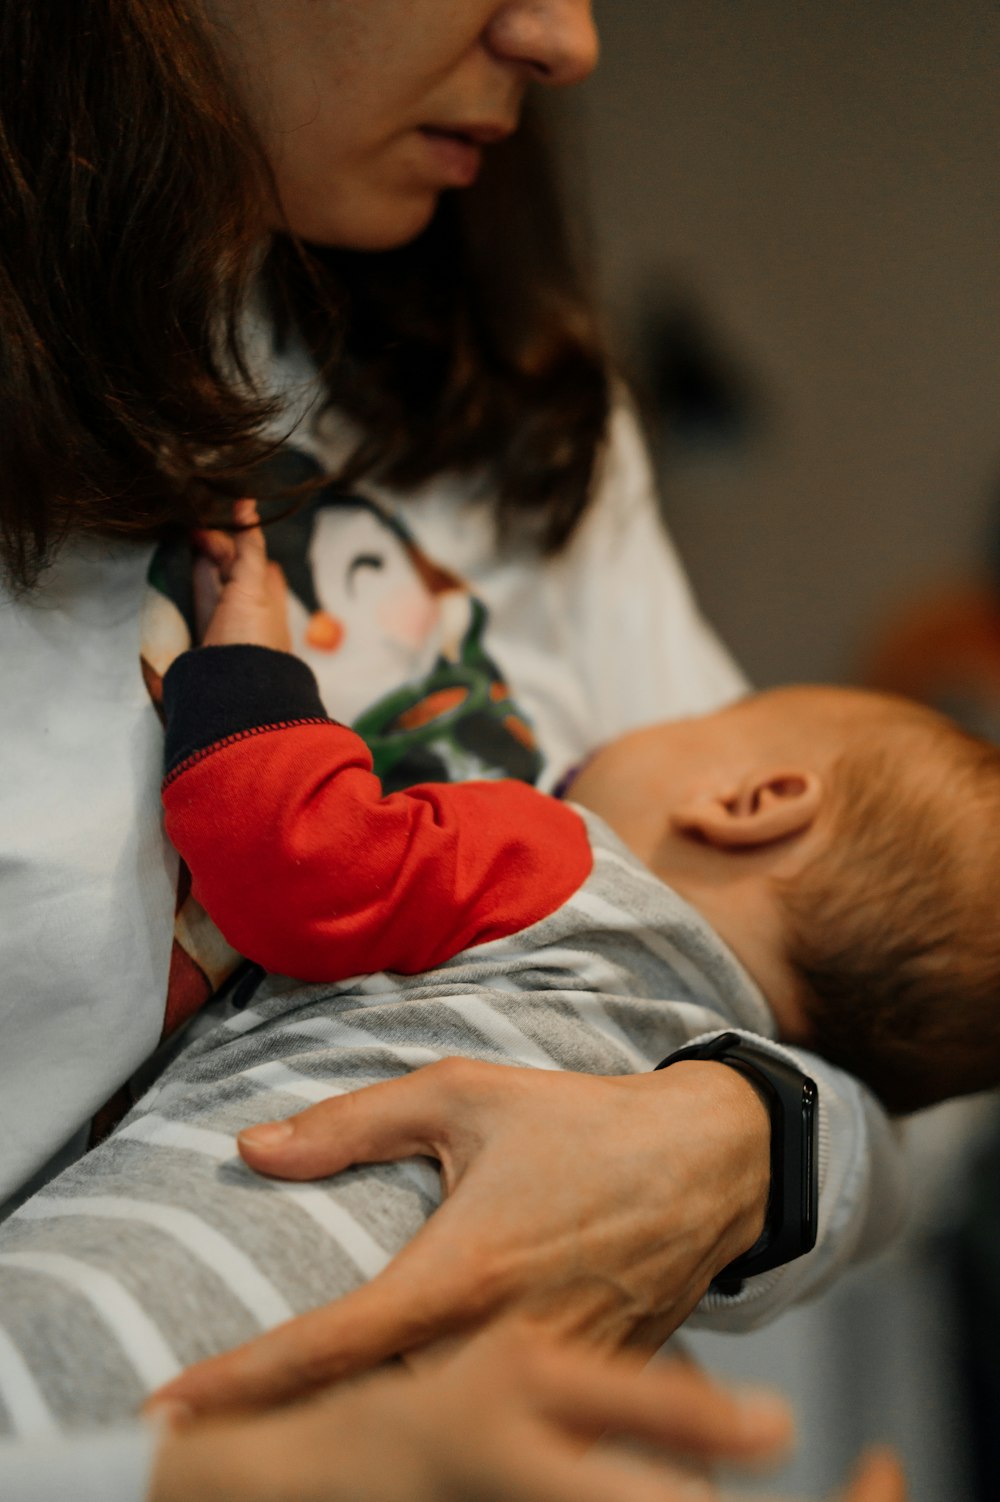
(509, 1416)
(879, 1478)
(402, 1118)
(563, 1477)
(570, 1395)
(670, 1404)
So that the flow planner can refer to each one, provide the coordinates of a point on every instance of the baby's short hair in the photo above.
(895, 925)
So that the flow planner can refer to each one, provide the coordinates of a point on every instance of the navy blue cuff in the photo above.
(212, 694)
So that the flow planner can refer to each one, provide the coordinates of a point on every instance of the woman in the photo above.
(193, 198)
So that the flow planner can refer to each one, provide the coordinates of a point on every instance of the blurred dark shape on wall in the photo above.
(702, 396)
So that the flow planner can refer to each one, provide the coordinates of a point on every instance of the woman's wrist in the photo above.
(737, 1126)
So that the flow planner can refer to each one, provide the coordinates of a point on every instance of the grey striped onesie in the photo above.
(160, 1247)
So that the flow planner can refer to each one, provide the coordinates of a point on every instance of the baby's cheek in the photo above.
(408, 616)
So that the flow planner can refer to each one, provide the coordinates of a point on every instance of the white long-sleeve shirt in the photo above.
(593, 643)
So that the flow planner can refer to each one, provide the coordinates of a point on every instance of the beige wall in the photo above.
(826, 179)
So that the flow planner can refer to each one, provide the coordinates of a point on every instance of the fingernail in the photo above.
(268, 1134)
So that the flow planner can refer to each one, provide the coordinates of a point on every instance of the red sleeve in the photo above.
(309, 871)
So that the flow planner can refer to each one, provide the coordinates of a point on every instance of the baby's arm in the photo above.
(295, 853)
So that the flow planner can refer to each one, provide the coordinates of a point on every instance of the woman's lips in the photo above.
(456, 157)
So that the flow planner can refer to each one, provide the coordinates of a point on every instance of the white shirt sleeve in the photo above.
(112, 1465)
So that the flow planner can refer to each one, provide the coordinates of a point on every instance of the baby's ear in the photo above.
(764, 808)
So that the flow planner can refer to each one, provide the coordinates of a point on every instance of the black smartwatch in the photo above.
(790, 1097)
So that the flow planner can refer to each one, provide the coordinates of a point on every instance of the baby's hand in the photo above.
(249, 592)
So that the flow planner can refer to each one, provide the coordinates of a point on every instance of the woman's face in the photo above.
(369, 109)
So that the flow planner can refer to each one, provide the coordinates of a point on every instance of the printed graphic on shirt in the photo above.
(396, 641)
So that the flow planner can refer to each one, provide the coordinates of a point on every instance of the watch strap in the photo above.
(790, 1096)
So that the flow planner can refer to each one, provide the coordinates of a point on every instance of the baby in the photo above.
(833, 851)
(812, 864)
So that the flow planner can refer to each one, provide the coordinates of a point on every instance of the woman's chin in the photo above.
(384, 223)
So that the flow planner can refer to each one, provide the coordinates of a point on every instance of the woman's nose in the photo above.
(553, 40)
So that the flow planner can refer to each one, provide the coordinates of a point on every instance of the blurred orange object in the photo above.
(943, 649)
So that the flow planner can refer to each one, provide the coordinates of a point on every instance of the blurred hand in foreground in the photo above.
(512, 1418)
(509, 1417)
(879, 1478)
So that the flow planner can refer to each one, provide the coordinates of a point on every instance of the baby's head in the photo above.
(847, 847)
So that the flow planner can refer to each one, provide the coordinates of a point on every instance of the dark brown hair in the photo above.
(894, 926)
(133, 199)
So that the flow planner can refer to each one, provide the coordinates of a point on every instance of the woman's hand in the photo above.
(879, 1478)
(240, 597)
(509, 1417)
(513, 1417)
(600, 1206)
